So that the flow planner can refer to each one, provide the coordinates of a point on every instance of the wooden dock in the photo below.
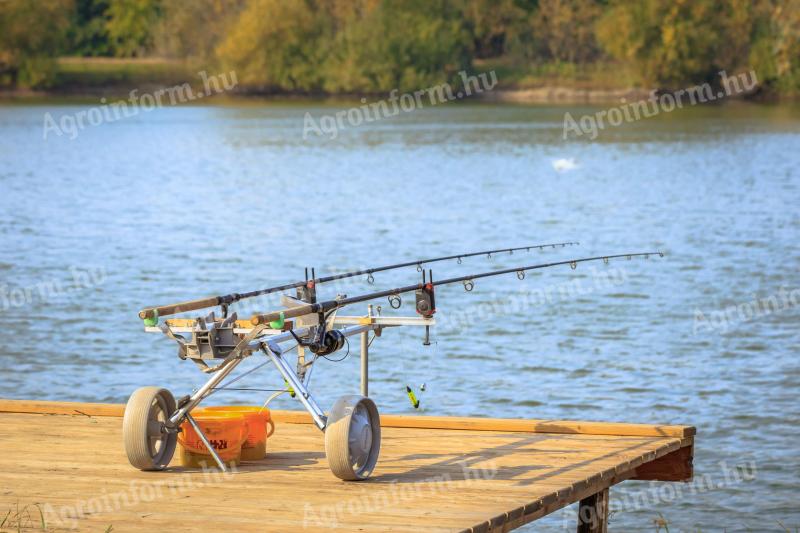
(434, 474)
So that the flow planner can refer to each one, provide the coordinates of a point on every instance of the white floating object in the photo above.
(563, 165)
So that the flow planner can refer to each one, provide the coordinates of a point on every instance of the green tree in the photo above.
(775, 50)
(32, 34)
(276, 44)
(346, 46)
(194, 29)
(131, 26)
(494, 24)
(88, 35)
(669, 42)
(404, 45)
(563, 30)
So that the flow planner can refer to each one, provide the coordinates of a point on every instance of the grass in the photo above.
(101, 72)
(661, 522)
(19, 519)
(92, 74)
(519, 75)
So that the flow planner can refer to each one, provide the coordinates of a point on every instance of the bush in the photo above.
(362, 46)
(32, 35)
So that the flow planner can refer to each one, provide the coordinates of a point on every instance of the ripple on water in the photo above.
(528, 403)
(538, 369)
(633, 390)
(669, 407)
(470, 357)
(579, 406)
(753, 347)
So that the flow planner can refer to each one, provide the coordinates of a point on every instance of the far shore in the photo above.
(81, 79)
(546, 95)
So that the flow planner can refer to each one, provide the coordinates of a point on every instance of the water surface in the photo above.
(191, 201)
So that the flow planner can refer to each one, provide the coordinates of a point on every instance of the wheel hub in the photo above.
(360, 438)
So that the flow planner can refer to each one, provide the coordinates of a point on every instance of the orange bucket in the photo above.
(226, 434)
(259, 424)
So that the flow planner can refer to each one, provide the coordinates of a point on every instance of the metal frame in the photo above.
(314, 329)
(269, 341)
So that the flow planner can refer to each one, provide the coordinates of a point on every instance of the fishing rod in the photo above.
(309, 285)
(351, 455)
(426, 288)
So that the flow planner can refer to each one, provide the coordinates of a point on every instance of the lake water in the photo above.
(185, 202)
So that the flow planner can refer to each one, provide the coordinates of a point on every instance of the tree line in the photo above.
(374, 46)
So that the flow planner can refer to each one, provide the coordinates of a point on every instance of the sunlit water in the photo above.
(184, 202)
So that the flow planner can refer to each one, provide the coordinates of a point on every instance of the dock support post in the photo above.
(593, 513)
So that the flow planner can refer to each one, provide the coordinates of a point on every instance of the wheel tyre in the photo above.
(353, 438)
(147, 447)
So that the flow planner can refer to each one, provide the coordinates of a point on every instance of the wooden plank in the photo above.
(537, 426)
(61, 408)
(675, 466)
(593, 513)
(399, 421)
(426, 480)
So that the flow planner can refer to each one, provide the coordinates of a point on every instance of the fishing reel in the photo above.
(324, 342)
(330, 342)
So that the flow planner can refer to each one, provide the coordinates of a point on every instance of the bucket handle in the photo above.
(183, 442)
(271, 426)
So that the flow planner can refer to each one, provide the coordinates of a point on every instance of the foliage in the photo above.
(563, 30)
(355, 46)
(88, 35)
(670, 42)
(130, 25)
(194, 29)
(495, 25)
(31, 35)
(685, 41)
(277, 44)
(360, 46)
(405, 45)
(776, 46)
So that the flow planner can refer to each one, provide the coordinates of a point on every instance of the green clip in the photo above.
(277, 324)
(412, 397)
(152, 322)
(289, 388)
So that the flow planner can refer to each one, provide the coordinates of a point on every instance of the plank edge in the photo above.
(516, 425)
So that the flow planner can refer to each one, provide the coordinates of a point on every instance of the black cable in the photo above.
(345, 355)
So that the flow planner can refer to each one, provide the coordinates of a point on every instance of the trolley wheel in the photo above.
(353, 438)
(148, 446)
